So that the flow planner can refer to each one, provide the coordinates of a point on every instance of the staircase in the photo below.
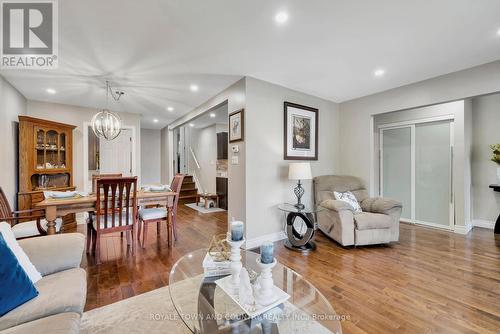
(188, 190)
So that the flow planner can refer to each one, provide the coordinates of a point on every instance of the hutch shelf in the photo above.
(45, 161)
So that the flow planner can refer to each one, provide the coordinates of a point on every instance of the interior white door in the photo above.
(116, 155)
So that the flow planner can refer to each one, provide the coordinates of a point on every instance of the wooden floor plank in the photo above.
(432, 281)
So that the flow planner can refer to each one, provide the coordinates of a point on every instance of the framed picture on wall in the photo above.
(236, 126)
(301, 132)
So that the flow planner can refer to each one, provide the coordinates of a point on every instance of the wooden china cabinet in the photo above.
(45, 161)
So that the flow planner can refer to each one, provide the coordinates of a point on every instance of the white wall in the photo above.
(355, 115)
(151, 153)
(12, 104)
(485, 131)
(204, 144)
(267, 183)
(78, 116)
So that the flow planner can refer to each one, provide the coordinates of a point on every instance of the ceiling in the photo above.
(154, 50)
(217, 115)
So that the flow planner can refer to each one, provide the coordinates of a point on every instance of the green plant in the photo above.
(496, 153)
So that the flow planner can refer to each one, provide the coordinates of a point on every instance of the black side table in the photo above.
(496, 187)
(300, 227)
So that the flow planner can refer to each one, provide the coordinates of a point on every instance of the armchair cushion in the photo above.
(19, 252)
(349, 198)
(17, 288)
(65, 291)
(368, 221)
(54, 253)
(380, 205)
(337, 205)
(62, 323)
(29, 229)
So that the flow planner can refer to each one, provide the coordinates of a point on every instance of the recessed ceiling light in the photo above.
(170, 108)
(379, 72)
(281, 17)
(155, 120)
(191, 124)
(51, 91)
(194, 88)
(212, 115)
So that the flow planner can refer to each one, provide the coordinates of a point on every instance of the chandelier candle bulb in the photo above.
(267, 252)
(236, 231)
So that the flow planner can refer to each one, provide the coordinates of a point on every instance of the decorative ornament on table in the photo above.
(235, 240)
(264, 286)
(245, 293)
(219, 248)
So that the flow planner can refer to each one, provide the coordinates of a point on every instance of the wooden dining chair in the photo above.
(159, 215)
(116, 211)
(95, 177)
(25, 223)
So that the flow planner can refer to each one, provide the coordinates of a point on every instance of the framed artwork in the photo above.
(301, 132)
(236, 126)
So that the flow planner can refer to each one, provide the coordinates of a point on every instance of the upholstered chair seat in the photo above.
(153, 213)
(29, 229)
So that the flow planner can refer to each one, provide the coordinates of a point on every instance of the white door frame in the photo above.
(412, 124)
(86, 152)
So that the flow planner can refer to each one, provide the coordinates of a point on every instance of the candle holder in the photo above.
(236, 265)
(265, 294)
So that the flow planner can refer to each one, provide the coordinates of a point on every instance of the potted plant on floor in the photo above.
(496, 158)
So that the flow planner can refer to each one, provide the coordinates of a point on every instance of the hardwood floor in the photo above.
(430, 282)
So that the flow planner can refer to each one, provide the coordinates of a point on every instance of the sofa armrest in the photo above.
(336, 205)
(380, 205)
(54, 253)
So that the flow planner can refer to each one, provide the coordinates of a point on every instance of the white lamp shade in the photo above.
(299, 171)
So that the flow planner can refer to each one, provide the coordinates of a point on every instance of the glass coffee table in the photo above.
(205, 308)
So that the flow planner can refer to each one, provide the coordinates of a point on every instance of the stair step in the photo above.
(191, 192)
(188, 189)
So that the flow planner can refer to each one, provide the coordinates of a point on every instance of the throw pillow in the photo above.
(21, 256)
(348, 197)
(17, 287)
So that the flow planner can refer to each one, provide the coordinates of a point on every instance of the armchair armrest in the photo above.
(337, 205)
(380, 205)
(54, 253)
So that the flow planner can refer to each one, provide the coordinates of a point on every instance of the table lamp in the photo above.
(299, 171)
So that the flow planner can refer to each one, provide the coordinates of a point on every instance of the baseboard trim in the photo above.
(256, 242)
(483, 223)
(461, 229)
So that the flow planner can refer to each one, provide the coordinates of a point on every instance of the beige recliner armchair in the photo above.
(377, 224)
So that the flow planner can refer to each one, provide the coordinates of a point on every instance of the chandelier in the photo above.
(106, 123)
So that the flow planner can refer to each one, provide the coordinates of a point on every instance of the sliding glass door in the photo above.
(416, 169)
(396, 170)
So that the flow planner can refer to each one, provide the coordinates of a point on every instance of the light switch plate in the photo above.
(234, 160)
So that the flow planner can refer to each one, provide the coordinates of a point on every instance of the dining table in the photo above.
(61, 207)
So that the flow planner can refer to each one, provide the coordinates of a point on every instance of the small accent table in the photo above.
(207, 197)
(496, 187)
(300, 231)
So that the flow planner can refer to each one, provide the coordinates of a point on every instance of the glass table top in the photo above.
(206, 308)
(287, 207)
